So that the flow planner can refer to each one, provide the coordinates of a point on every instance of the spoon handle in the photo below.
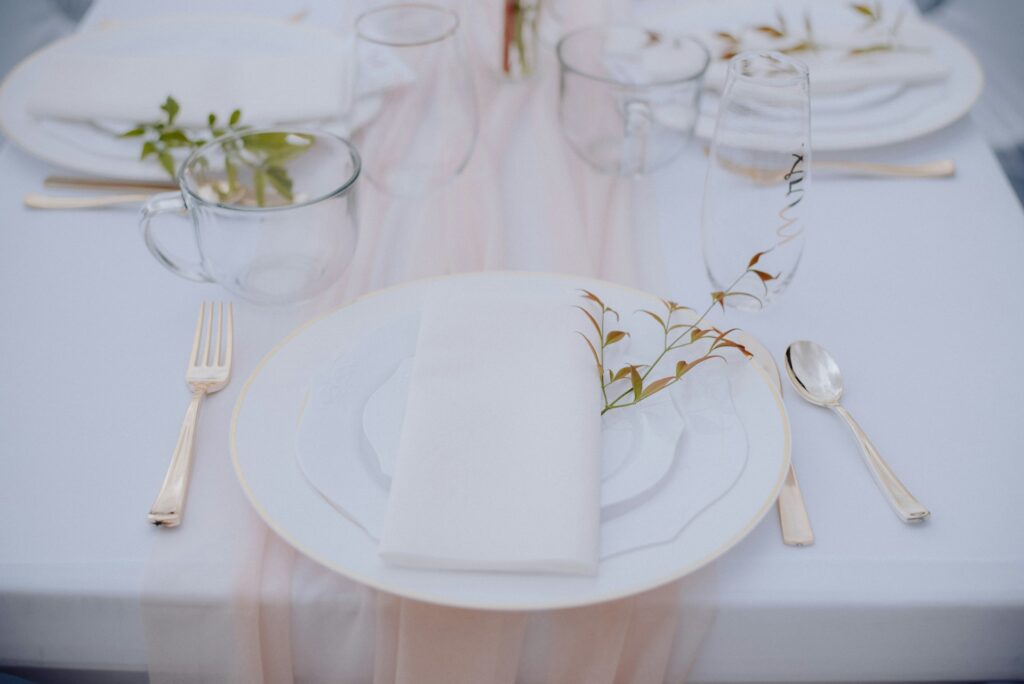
(903, 502)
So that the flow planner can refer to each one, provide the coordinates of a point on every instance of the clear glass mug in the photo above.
(629, 97)
(273, 213)
(759, 172)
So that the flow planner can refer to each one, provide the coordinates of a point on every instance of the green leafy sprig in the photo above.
(162, 136)
(263, 154)
(632, 383)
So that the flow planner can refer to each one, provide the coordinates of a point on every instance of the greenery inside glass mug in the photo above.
(273, 213)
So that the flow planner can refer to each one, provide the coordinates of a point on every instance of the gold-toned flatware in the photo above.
(941, 168)
(816, 377)
(35, 200)
(113, 184)
(209, 369)
(793, 518)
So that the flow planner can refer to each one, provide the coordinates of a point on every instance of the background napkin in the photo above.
(274, 71)
(499, 459)
(266, 89)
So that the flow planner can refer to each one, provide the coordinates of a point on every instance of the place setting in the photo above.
(500, 406)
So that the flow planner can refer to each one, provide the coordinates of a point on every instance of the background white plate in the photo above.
(910, 113)
(93, 150)
(263, 430)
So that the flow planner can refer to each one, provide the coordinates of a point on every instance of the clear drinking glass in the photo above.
(629, 96)
(759, 171)
(425, 130)
(273, 213)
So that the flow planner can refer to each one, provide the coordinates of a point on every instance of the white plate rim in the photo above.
(14, 75)
(428, 597)
(847, 141)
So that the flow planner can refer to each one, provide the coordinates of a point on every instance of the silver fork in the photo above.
(209, 368)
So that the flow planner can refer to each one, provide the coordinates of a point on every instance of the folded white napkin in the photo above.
(834, 70)
(267, 89)
(499, 458)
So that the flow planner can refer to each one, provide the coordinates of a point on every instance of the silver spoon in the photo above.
(793, 518)
(816, 378)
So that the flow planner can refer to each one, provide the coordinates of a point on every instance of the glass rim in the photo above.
(437, 9)
(357, 164)
(802, 72)
(606, 28)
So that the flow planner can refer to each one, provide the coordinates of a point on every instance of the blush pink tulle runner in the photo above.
(524, 202)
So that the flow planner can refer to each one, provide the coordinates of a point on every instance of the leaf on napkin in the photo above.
(656, 386)
(637, 382)
(590, 317)
(614, 336)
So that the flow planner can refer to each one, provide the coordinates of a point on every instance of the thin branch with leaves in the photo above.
(631, 383)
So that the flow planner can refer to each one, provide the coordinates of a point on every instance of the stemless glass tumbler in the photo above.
(629, 96)
(425, 129)
(272, 213)
(755, 195)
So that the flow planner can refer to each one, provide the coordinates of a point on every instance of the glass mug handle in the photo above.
(163, 203)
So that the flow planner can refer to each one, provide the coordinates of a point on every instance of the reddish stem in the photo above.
(510, 18)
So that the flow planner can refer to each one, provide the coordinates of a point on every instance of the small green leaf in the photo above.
(281, 181)
(613, 337)
(655, 316)
(133, 133)
(167, 161)
(597, 359)
(587, 294)
(211, 120)
(148, 148)
(656, 386)
(637, 382)
(170, 106)
(622, 373)
(235, 117)
(175, 138)
(593, 321)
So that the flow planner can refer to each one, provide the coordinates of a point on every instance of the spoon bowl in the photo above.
(814, 373)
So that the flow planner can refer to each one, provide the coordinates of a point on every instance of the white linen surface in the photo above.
(934, 602)
(499, 458)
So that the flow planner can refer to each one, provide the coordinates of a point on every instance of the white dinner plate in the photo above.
(263, 436)
(887, 116)
(94, 149)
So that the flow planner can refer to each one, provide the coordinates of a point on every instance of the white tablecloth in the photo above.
(914, 285)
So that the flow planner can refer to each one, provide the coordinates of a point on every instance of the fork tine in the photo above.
(217, 356)
(207, 336)
(194, 359)
(230, 336)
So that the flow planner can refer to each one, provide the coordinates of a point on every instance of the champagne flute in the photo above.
(755, 194)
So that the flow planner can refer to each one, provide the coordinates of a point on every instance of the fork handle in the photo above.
(166, 510)
(908, 508)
